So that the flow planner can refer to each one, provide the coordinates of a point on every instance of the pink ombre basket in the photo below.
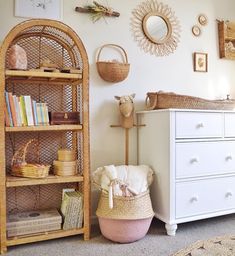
(128, 220)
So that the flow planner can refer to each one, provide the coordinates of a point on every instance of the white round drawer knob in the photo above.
(229, 158)
(228, 194)
(194, 160)
(194, 199)
(200, 125)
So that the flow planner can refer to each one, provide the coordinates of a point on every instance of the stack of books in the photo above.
(72, 210)
(23, 111)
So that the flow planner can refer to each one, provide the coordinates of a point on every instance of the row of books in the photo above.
(72, 210)
(23, 111)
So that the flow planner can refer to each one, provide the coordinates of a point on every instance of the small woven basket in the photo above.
(162, 100)
(113, 71)
(20, 168)
(126, 208)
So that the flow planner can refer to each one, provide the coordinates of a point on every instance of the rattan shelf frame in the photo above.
(43, 38)
(46, 128)
(51, 179)
(42, 237)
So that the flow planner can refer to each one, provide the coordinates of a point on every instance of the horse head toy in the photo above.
(126, 107)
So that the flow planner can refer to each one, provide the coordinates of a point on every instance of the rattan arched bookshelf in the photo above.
(45, 39)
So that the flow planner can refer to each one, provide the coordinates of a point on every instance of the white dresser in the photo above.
(192, 153)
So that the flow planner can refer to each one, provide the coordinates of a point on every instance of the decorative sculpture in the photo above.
(126, 107)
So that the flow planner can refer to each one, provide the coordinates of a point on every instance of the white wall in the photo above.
(148, 73)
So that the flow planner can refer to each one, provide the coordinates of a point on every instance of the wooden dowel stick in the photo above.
(127, 146)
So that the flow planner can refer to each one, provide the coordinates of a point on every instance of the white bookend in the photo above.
(29, 110)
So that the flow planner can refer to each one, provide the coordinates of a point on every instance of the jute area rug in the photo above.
(219, 246)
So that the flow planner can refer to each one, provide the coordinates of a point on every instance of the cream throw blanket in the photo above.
(117, 179)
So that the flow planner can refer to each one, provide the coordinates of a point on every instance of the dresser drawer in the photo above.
(229, 124)
(204, 158)
(204, 196)
(199, 125)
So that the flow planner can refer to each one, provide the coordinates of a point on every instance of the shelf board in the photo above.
(229, 38)
(12, 181)
(32, 74)
(62, 127)
(43, 236)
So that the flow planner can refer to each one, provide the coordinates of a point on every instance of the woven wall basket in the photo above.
(162, 100)
(113, 71)
(126, 208)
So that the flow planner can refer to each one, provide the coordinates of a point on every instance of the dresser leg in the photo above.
(171, 229)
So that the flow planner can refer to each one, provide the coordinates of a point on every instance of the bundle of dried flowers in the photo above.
(97, 10)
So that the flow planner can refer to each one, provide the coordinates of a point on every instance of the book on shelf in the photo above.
(24, 111)
(12, 109)
(6, 115)
(35, 116)
(42, 113)
(45, 113)
(39, 115)
(8, 109)
(17, 109)
(29, 110)
(72, 210)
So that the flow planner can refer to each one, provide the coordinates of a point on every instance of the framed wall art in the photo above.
(202, 19)
(200, 62)
(196, 30)
(47, 9)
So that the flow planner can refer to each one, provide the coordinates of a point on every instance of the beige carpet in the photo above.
(219, 246)
(155, 243)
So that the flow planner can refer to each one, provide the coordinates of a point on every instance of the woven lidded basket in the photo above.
(162, 100)
(126, 208)
(20, 168)
(111, 71)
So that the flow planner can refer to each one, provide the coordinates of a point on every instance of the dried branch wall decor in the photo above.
(155, 27)
(97, 11)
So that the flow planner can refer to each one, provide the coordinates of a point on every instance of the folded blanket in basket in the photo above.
(110, 179)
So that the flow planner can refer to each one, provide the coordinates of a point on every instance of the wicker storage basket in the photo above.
(113, 71)
(20, 168)
(66, 155)
(62, 168)
(128, 208)
(162, 100)
(128, 220)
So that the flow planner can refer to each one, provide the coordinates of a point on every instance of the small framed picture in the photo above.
(200, 62)
(48, 9)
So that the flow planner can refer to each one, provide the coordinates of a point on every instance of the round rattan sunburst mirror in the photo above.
(155, 27)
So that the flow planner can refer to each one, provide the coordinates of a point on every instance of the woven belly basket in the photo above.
(128, 220)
